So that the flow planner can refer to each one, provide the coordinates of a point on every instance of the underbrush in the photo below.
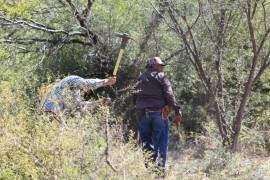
(35, 146)
(93, 146)
(206, 158)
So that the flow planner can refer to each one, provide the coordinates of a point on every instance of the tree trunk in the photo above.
(239, 117)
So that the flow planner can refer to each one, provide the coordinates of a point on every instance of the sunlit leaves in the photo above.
(19, 8)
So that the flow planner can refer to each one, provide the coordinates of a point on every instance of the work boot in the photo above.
(160, 172)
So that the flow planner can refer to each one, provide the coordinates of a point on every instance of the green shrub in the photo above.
(33, 146)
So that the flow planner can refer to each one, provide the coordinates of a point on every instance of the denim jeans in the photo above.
(154, 133)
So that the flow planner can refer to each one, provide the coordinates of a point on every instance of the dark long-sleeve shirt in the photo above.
(154, 90)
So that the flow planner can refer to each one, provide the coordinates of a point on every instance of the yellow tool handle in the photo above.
(116, 67)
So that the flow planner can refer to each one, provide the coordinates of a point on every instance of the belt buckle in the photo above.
(147, 114)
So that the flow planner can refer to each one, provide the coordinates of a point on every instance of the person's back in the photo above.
(153, 94)
(150, 90)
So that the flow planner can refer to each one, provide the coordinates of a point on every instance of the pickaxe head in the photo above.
(122, 35)
(125, 37)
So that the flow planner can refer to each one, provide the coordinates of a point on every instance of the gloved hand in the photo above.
(165, 112)
(178, 117)
(106, 101)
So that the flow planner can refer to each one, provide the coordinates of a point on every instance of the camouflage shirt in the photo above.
(66, 94)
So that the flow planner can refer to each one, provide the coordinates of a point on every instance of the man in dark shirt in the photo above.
(153, 94)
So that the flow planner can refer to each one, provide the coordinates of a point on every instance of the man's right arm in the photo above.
(96, 83)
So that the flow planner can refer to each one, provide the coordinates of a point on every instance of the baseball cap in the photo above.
(154, 60)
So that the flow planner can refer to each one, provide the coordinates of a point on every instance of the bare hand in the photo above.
(110, 81)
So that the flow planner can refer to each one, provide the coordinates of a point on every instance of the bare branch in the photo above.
(107, 131)
(254, 8)
(208, 28)
(195, 56)
(153, 25)
(251, 29)
(264, 15)
(235, 32)
(29, 41)
(73, 7)
(264, 38)
(254, 45)
(33, 25)
(82, 19)
(40, 27)
(250, 81)
(22, 49)
(230, 19)
(198, 16)
(38, 24)
(191, 36)
(219, 49)
(86, 11)
(212, 10)
(265, 65)
(174, 54)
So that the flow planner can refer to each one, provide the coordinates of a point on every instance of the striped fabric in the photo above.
(66, 94)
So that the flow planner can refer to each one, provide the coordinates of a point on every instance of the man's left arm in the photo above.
(171, 100)
(168, 93)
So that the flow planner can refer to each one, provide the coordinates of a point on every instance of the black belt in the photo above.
(153, 109)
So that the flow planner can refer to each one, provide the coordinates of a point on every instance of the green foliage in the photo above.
(36, 146)
(19, 8)
(207, 159)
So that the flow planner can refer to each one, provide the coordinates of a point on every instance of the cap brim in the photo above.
(162, 64)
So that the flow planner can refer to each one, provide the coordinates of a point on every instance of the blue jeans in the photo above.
(154, 133)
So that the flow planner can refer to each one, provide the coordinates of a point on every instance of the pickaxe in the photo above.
(125, 37)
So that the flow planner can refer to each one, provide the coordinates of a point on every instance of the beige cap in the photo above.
(154, 60)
